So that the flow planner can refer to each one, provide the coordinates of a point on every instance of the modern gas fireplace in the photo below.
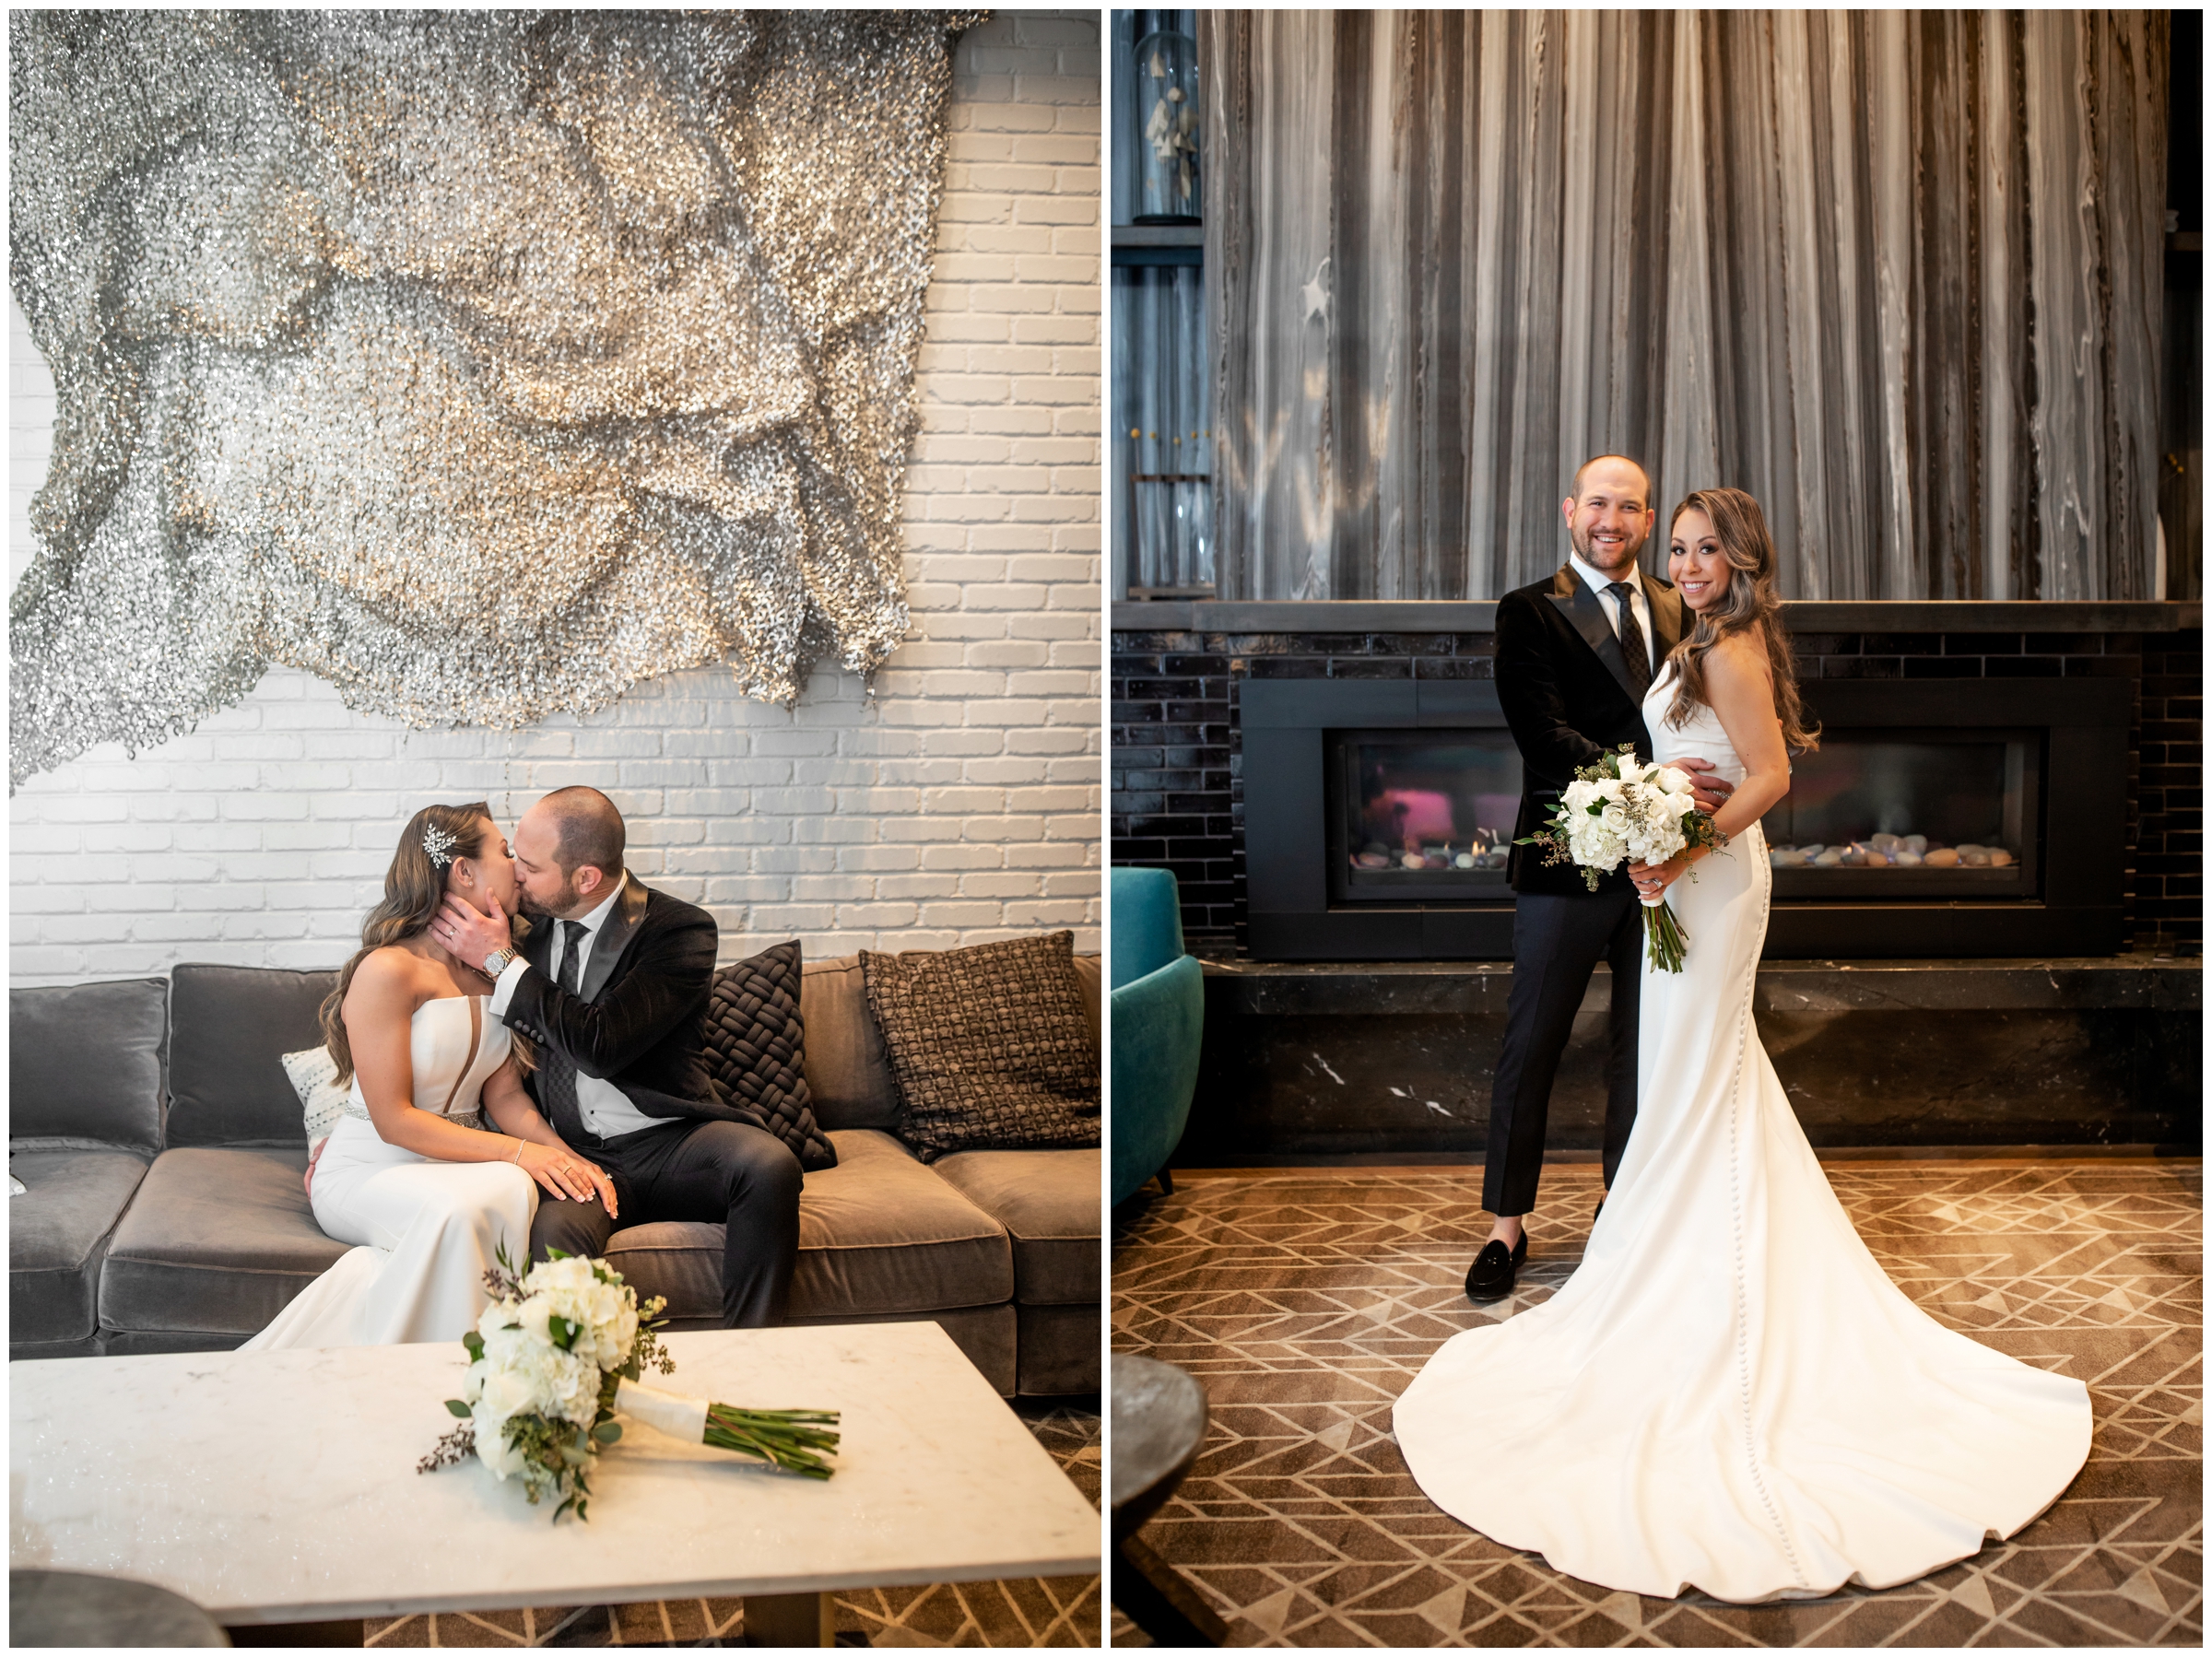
(1960, 819)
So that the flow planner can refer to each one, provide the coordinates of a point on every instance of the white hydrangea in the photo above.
(605, 1313)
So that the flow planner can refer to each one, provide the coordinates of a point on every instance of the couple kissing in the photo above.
(521, 1034)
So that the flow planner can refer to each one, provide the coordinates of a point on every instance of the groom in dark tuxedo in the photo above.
(612, 984)
(1576, 655)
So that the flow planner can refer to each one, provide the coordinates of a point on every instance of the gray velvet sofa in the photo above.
(162, 1150)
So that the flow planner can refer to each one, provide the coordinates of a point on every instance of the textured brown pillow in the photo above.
(989, 1045)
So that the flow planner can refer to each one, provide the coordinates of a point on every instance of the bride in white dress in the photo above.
(410, 1173)
(1729, 1394)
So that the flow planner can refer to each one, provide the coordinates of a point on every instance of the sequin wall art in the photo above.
(483, 363)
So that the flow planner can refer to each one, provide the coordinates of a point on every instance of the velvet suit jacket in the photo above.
(1563, 683)
(638, 1016)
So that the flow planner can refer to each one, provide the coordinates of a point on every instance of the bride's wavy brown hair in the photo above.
(1751, 604)
(414, 889)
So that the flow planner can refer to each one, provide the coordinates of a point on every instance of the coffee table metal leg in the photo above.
(1153, 1594)
(790, 1619)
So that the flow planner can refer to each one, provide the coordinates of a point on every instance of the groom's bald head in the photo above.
(568, 852)
(1582, 470)
(588, 829)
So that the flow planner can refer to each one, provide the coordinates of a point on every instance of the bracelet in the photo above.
(517, 1157)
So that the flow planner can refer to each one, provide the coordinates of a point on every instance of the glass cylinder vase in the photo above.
(1164, 82)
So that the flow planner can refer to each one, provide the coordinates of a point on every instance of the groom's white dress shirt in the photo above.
(606, 1109)
(1638, 602)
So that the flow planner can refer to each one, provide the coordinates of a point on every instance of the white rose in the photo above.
(505, 1392)
(573, 1273)
(493, 1450)
(495, 1317)
(532, 1314)
(507, 1347)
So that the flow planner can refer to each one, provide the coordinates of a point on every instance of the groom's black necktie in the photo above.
(1632, 641)
(556, 1071)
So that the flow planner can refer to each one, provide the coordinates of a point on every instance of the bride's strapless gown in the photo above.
(1729, 1394)
(428, 1230)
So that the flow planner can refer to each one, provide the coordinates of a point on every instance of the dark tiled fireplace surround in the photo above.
(2087, 1050)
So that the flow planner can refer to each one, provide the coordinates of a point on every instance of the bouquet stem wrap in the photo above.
(682, 1418)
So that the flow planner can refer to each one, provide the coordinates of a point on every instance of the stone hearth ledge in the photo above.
(2140, 981)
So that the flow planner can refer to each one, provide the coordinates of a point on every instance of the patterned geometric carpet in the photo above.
(1305, 1302)
(1040, 1611)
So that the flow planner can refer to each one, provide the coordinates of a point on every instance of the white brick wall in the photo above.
(963, 804)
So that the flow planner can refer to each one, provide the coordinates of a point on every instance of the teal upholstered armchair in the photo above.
(1158, 998)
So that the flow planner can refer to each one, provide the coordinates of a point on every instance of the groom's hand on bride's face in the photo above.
(467, 935)
(1712, 791)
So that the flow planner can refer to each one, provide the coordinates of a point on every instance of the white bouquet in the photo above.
(1618, 811)
(558, 1352)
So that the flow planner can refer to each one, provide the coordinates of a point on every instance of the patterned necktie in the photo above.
(556, 1071)
(1632, 642)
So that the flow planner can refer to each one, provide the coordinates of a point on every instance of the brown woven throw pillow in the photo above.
(989, 1045)
(756, 1050)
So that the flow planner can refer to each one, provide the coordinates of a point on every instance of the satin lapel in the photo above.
(613, 939)
(1588, 617)
(1666, 619)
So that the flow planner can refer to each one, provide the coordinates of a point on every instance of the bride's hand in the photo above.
(1651, 879)
(565, 1174)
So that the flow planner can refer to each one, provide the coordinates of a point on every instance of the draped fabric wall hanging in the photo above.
(1897, 273)
(484, 363)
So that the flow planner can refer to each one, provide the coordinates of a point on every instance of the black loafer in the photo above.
(1491, 1275)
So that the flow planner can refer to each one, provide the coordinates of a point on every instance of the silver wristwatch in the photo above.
(498, 961)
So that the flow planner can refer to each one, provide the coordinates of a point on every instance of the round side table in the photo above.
(72, 1608)
(1159, 1414)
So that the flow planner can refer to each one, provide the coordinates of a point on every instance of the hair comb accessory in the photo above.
(437, 844)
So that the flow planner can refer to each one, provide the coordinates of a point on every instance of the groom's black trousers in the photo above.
(1557, 942)
(723, 1172)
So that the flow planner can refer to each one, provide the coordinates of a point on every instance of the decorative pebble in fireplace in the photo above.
(1904, 812)
(1890, 851)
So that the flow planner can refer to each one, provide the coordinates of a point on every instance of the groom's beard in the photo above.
(1580, 543)
(536, 910)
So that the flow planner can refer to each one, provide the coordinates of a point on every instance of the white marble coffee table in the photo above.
(279, 1487)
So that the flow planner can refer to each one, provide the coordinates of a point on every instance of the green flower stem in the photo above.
(785, 1438)
(1665, 935)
